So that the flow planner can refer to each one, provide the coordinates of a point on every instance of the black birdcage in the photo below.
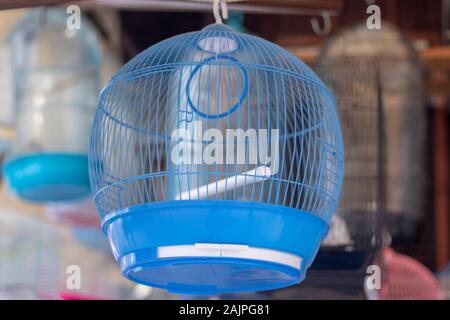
(377, 81)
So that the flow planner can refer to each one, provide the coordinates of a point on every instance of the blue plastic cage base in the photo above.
(208, 275)
(211, 247)
(49, 177)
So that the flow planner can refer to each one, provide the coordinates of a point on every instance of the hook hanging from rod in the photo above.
(327, 24)
(218, 6)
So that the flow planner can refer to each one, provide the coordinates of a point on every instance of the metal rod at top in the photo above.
(203, 6)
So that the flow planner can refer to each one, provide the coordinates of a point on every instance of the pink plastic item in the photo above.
(73, 296)
(407, 279)
(82, 214)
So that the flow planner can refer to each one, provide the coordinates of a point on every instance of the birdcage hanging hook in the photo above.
(327, 24)
(220, 10)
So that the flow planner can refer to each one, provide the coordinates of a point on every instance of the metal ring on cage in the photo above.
(235, 106)
(219, 44)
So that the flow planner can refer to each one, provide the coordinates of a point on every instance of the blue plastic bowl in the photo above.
(162, 245)
(48, 177)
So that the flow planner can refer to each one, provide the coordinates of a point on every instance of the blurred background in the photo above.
(392, 89)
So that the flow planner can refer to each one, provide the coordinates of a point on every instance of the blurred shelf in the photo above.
(436, 60)
(7, 132)
(437, 63)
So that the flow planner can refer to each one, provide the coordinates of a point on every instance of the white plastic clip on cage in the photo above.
(57, 83)
(216, 161)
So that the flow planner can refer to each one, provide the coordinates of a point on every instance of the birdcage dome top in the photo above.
(359, 40)
(223, 42)
(46, 38)
(239, 80)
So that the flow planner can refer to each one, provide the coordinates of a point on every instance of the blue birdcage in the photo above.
(216, 162)
(57, 81)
